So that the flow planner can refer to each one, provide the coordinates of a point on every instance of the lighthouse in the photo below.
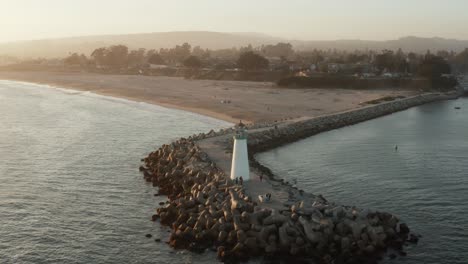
(240, 157)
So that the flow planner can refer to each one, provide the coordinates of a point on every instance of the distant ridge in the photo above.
(61, 47)
(411, 43)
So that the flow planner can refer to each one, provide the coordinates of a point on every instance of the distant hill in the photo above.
(212, 40)
(63, 46)
(415, 44)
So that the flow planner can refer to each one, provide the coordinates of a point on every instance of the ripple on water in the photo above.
(424, 182)
(70, 188)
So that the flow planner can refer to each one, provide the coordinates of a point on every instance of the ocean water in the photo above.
(70, 190)
(424, 181)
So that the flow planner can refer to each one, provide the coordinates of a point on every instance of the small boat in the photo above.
(457, 107)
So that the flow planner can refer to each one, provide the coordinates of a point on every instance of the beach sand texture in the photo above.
(228, 100)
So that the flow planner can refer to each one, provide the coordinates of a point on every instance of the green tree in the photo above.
(73, 59)
(385, 61)
(156, 59)
(99, 56)
(136, 57)
(251, 61)
(246, 49)
(461, 60)
(278, 50)
(112, 57)
(193, 62)
(180, 53)
(201, 53)
(433, 67)
(117, 56)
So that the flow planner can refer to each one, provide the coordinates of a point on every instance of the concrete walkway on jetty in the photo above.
(284, 195)
(217, 152)
(205, 210)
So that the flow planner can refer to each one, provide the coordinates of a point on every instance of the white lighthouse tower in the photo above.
(240, 157)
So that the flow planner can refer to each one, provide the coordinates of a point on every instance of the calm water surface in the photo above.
(70, 190)
(425, 181)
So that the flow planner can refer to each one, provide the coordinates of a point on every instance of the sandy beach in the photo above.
(227, 100)
(200, 163)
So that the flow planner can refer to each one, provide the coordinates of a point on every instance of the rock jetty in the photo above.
(206, 210)
(288, 132)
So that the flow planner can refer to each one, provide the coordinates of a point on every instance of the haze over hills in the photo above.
(414, 44)
(61, 47)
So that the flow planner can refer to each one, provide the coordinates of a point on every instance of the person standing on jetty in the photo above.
(261, 177)
(241, 180)
(237, 180)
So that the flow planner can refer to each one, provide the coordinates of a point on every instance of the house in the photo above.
(313, 67)
(335, 67)
(157, 66)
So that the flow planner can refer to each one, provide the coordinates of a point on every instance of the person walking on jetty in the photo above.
(241, 181)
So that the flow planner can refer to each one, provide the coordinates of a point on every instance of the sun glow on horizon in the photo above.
(296, 19)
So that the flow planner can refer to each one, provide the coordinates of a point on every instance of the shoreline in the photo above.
(230, 101)
(199, 111)
(271, 139)
(192, 173)
(297, 224)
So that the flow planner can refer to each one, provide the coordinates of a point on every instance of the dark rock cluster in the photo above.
(208, 211)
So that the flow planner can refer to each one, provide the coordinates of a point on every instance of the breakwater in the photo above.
(350, 82)
(207, 210)
(282, 134)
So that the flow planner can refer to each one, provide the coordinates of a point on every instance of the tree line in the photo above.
(119, 56)
(280, 56)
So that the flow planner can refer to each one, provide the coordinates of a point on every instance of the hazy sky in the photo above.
(299, 19)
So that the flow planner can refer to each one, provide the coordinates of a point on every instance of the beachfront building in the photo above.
(240, 157)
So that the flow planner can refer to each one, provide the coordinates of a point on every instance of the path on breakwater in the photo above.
(218, 145)
(220, 154)
(208, 210)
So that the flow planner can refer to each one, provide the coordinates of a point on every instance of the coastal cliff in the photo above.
(206, 210)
